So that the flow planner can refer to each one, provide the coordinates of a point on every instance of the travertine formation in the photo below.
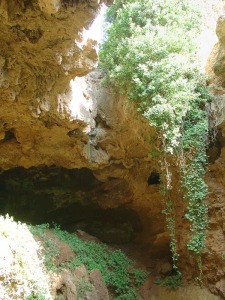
(55, 112)
(214, 264)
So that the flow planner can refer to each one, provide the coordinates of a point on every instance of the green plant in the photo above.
(50, 248)
(139, 275)
(169, 212)
(117, 270)
(114, 265)
(150, 55)
(23, 274)
(130, 294)
(51, 252)
(171, 282)
(35, 297)
(83, 287)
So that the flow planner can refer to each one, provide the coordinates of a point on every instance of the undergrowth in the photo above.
(118, 271)
(171, 282)
(26, 263)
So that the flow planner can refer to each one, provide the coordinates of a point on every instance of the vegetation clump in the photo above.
(171, 282)
(22, 272)
(150, 55)
(118, 271)
(26, 264)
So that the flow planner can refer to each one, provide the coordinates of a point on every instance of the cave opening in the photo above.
(79, 203)
(66, 197)
(154, 178)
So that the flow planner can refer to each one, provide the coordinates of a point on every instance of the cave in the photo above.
(66, 197)
(154, 178)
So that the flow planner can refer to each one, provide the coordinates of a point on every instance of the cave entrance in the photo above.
(68, 198)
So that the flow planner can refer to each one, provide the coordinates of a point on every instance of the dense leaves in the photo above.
(118, 271)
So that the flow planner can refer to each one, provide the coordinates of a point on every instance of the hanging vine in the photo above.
(150, 55)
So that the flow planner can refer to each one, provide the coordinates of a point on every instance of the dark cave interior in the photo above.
(68, 198)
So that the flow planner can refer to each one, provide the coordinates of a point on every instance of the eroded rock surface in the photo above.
(42, 49)
(54, 112)
(213, 262)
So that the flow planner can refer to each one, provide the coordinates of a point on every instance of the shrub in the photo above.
(23, 275)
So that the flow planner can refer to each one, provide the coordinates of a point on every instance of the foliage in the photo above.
(23, 275)
(83, 287)
(131, 294)
(194, 139)
(38, 296)
(117, 270)
(169, 212)
(171, 282)
(50, 248)
(150, 55)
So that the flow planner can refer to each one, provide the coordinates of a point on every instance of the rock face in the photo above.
(42, 49)
(213, 259)
(186, 293)
(79, 284)
(55, 114)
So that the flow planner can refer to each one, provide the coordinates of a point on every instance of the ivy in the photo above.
(195, 130)
(150, 55)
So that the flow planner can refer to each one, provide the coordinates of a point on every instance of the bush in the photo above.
(23, 274)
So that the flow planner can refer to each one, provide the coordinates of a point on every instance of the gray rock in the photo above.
(96, 280)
